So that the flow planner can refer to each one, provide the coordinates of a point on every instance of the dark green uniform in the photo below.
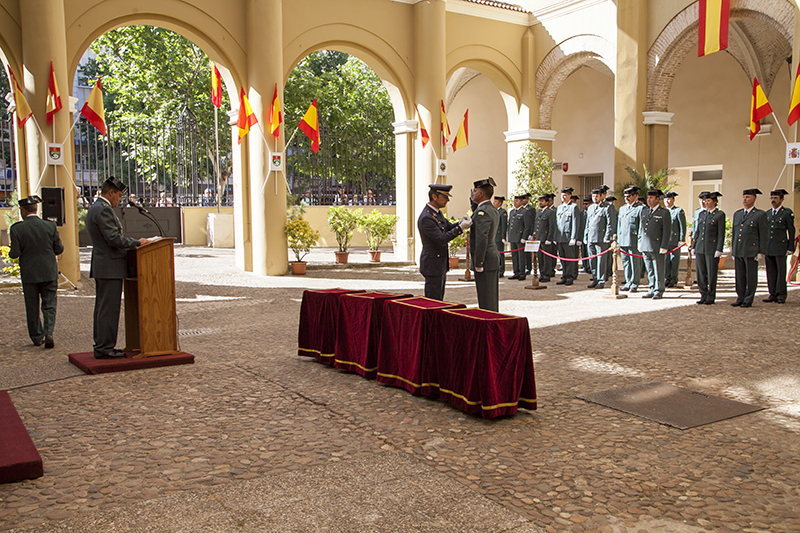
(677, 236)
(708, 240)
(36, 243)
(483, 255)
(502, 229)
(749, 240)
(545, 230)
(780, 224)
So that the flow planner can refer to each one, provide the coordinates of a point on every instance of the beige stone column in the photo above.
(656, 124)
(630, 87)
(430, 72)
(793, 171)
(264, 69)
(43, 41)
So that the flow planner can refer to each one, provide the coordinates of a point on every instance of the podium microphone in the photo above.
(146, 213)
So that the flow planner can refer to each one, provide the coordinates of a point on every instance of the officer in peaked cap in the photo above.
(483, 253)
(567, 236)
(749, 245)
(780, 243)
(601, 225)
(709, 238)
(435, 232)
(502, 230)
(36, 243)
(677, 237)
(530, 229)
(655, 226)
(545, 230)
(516, 237)
(628, 238)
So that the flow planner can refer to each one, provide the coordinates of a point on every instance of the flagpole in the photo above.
(77, 118)
(777, 123)
(216, 147)
(779, 177)
(260, 129)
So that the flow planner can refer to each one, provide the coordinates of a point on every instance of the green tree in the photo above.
(534, 172)
(647, 181)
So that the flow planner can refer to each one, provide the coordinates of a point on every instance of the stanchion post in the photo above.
(467, 273)
(615, 295)
(687, 281)
(535, 278)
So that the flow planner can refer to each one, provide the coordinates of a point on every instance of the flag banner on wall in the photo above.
(93, 109)
(310, 126)
(794, 107)
(24, 111)
(275, 117)
(713, 36)
(216, 86)
(53, 96)
(246, 118)
(462, 136)
(423, 131)
(445, 126)
(759, 108)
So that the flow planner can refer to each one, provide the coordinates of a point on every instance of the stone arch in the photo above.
(472, 59)
(756, 57)
(563, 60)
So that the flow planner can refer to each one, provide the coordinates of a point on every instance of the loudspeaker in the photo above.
(53, 205)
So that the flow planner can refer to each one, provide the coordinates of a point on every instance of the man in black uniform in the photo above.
(436, 231)
(36, 243)
(109, 265)
(502, 229)
(780, 221)
(748, 246)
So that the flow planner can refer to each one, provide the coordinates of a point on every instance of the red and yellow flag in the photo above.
(275, 117)
(423, 131)
(53, 96)
(310, 126)
(93, 109)
(714, 16)
(759, 108)
(462, 136)
(216, 86)
(794, 107)
(24, 111)
(247, 117)
(445, 126)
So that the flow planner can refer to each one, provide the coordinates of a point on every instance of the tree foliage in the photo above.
(534, 172)
(648, 181)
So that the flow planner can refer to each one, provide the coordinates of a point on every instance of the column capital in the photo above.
(405, 126)
(530, 135)
(660, 118)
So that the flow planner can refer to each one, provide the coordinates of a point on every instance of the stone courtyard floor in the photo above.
(253, 438)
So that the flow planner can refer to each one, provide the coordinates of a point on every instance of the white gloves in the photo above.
(717, 254)
(530, 238)
(503, 241)
(572, 242)
(662, 251)
(478, 269)
(579, 243)
(760, 257)
(548, 243)
(465, 222)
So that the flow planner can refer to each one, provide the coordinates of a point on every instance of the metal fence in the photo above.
(347, 170)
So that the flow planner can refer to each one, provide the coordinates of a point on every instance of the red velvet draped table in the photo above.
(483, 361)
(359, 331)
(405, 332)
(319, 314)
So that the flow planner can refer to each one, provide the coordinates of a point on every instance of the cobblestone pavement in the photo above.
(254, 438)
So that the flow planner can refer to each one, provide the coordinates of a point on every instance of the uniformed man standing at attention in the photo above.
(584, 247)
(599, 228)
(545, 231)
(628, 238)
(567, 227)
(502, 230)
(709, 239)
(748, 247)
(780, 221)
(435, 232)
(516, 237)
(483, 253)
(655, 226)
(676, 239)
(530, 228)
(36, 243)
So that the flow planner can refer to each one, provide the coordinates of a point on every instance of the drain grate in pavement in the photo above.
(670, 405)
(201, 331)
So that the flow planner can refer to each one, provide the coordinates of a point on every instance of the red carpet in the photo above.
(18, 456)
(86, 362)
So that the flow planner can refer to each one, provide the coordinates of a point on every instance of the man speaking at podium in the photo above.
(109, 265)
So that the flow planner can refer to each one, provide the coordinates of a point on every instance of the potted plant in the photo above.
(378, 227)
(455, 245)
(300, 238)
(343, 222)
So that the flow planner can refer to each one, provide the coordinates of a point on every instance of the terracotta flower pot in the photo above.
(341, 257)
(374, 256)
(298, 268)
(453, 262)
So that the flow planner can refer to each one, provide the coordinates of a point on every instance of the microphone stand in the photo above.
(147, 214)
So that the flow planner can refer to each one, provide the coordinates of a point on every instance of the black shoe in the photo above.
(709, 302)
(736, 304)
(37, 343)
(780, 301)
(625, 288)
(768, 300)
(568, 282)
(544, 280)
(113, 354)
(515, 276)
(648, 295)
(562, 282)
(600, 286)
(701, 301)
(521, 278)
(746, 305)
(592, 285)
(48, 341)
(657, 296)
(634, 289)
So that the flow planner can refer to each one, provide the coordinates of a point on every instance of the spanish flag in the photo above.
(462, 137)
(759, 108)
(445, 126)
(275, 117)
(216, 86)
(246, 116)
(422, 130)
(93, 108)
(310, 126)
(794, 107)
(714, 16)
(53, 96)
(23, 109)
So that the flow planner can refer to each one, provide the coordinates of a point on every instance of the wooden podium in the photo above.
(151, 324)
